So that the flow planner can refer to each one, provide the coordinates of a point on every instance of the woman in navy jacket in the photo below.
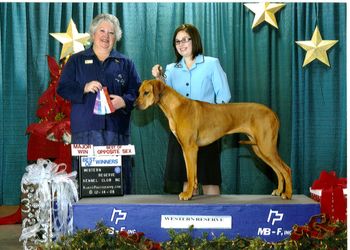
(89, 71)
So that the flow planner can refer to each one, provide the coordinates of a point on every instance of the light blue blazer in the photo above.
(205, 81)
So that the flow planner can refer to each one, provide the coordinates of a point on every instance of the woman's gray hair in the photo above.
(109, 18)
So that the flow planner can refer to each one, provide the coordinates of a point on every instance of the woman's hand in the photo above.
(117, 101)
(93, 87)
(157, 71)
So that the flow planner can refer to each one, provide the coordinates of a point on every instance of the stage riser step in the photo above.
(271, 222)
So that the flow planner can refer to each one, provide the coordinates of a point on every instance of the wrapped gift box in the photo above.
(317, 193)
(331, 192)
(48, 193)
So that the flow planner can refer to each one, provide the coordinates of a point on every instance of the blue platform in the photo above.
(268, 217)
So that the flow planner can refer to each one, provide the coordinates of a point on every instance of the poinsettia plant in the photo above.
(53, 110)
(51, 135)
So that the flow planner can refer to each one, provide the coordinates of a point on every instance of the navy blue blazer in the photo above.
(117, 73)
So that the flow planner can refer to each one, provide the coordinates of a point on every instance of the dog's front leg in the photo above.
(190, 155)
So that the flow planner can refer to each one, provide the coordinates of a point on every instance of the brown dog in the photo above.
(196, 123)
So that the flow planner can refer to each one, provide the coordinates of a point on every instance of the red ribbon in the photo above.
(317, 228)
(333, 202)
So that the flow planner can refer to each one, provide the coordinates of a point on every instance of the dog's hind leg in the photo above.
(280, 178)
(270, 155)
(286, 172)
(257, 151)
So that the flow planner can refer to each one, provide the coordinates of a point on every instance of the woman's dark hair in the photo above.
(193, 32)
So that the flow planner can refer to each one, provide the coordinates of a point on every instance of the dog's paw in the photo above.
(285, 196)
(184, 196)
(276, 192)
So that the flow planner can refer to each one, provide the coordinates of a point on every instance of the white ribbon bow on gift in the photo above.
(53, 199)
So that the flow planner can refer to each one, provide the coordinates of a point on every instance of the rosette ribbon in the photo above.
(103, 104)
(50, 193)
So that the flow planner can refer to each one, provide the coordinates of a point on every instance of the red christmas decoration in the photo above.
(136, 238)
(332, 198)
(319, 227)
(50, 137)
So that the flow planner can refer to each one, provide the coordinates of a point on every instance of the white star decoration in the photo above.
(72, 40)
(264, 12)
(316, 48)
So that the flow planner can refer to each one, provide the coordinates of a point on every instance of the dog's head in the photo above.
(149, 93)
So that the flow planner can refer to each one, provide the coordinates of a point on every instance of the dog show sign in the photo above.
(102, 161)
(114, 150)
(100, 169)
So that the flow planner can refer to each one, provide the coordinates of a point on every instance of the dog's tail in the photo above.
(247, 143)
(251, 141)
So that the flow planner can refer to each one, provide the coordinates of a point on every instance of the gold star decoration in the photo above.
(264, 12)
(316, 48)
(72, 40)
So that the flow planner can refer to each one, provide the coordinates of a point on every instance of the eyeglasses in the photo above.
(183, 40)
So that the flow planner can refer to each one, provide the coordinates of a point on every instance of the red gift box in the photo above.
(41, 147)
(331, 192)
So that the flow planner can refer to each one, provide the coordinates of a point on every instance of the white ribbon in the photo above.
(52, 201)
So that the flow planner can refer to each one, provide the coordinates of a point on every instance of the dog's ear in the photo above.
(158, 87)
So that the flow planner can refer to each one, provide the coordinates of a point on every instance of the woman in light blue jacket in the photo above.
(196, 77)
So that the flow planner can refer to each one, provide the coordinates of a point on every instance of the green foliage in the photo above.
(183, 240)
(103, 238)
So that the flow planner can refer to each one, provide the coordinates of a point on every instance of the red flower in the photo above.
(150, 245)
(156, 246)
(55, 70)
(123, 234)
(136, 237)
(53, 111)
(54, 122)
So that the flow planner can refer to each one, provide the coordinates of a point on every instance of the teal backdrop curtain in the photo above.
(263, 65)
